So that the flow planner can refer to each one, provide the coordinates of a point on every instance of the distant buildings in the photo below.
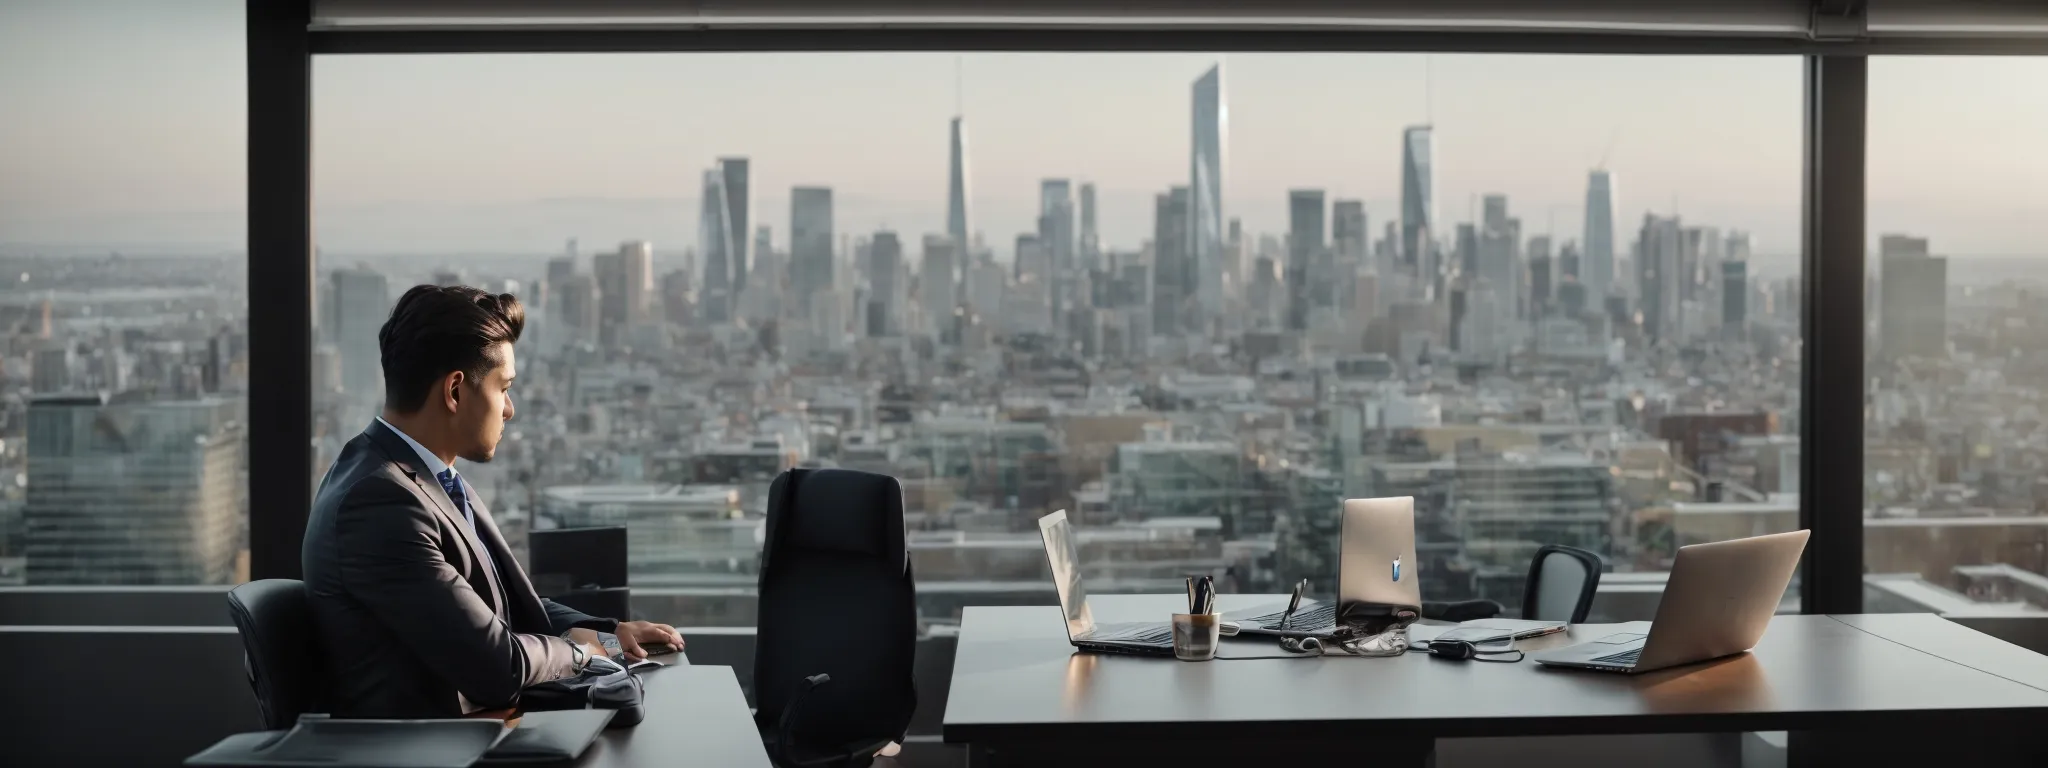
(956, 184)
(1596, 267)
(1913, 304)
(677, 534)
(1173, 263)
(1305, 247)
(810, 243)
(1658, 278)
(362, 302)
(1205, 184)
(134, 492)
(625, 280)
(1418, 199)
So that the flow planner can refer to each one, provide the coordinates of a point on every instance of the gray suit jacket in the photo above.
(410, 615)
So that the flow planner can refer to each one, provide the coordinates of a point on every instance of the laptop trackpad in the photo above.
(1621, 639)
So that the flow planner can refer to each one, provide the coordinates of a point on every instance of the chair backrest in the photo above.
(568, 559)
(837, 597)
(1562, 581)
(282, 649)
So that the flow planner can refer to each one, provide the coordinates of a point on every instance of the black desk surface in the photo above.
(695, 716)
(1015, 678)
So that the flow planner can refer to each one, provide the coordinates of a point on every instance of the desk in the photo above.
(1021, 694)
(695, 716)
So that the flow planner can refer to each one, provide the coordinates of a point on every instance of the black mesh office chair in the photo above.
(1562, 581)
(281, 649)
(838, 619)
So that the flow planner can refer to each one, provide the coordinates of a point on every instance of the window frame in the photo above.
(283, 38)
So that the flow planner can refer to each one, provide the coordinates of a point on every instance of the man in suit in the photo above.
(422, 609)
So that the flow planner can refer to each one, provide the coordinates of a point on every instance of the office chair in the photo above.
(281, 650)
(1562, 581)
(837, 632)
(583, 568)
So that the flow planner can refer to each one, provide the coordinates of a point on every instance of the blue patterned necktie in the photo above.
(452, 483)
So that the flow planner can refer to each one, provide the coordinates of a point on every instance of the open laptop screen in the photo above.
(1066, 574)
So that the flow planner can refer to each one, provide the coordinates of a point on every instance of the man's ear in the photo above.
(451, 390)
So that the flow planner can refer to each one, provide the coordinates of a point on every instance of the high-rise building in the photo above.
(739, 201)
(580, 308)
(1658, 255)
(1305, 245)
(938, 284)
(1734, 298)
(884, 270)
(559, 270)
(52, 369)
(1205, 180)
(1348, 232)
(1540, 276)
(810, 242)
(134, 492)
(1498, 265)
(1173, 262)
(1596, 263)
(624, 279)
(1056, 234)
(719, 243)
(1913, 303)
(362, 302)
(1418, 198)
(678, 297)
(956, 184)
(1091, 240)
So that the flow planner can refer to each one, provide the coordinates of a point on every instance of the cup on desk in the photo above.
(1195, 636)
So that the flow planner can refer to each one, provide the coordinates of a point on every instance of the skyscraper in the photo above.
(1056, 234)
(1913, 302)
(1498, 264)
(810, 242)
(1658, 255)
(1173, 278)
(1596, 261)
(1305, 244)
(938, 284)
(1541, 278)
(738, 203)
(1734, 298)
(362, 302)
(134, 492)
(718, 241)
(1205, 180)
(1091, 240)
(1418, 198)
(623, 281)
(884, 268)
(956, 185)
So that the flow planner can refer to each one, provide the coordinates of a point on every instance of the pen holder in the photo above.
(1194, 636)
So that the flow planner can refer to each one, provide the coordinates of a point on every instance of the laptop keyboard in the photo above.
(1314, 618)
(1625, 657)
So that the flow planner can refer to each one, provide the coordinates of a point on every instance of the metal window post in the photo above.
(280, 284)
(1831, 378)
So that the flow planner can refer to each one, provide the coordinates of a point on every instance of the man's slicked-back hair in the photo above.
(437, 329)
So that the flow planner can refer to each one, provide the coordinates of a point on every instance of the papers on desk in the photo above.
(1421, 634)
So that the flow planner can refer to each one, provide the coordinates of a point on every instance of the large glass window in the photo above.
(122, 304)
(1956, 514)
(1195, 299)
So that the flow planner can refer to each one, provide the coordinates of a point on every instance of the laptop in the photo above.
(1376, 569)
(1152, 638)
(1718, 601)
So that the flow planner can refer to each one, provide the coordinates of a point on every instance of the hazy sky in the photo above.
(123, 127)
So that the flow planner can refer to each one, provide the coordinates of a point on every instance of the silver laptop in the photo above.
(1376, 570)
(1142, 637)
(1718, 601)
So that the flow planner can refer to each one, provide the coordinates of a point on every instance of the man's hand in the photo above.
(633, 633)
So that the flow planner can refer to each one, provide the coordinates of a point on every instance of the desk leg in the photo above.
(1938, 746)
(1124, 754)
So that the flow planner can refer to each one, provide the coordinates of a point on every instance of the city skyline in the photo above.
(476, 167)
